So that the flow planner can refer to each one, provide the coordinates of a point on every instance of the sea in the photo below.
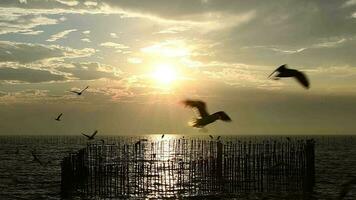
(22, 178)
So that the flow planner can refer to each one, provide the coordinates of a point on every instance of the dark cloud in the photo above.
(27, 53)
(28, 75)
(91, 71)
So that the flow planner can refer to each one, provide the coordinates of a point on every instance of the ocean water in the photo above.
(22, 178)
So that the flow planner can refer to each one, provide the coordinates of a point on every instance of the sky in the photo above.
(140, 59)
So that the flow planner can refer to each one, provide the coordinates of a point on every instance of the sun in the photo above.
(165, 74)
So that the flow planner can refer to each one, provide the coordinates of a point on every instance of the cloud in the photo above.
(28, 75)
(27, 53)
(60, 35)
(85, 40)
(169, 48)
(31, 33)
(134, 60)
(113, 35)
(349, 3)
(24, 23)
(90, 71)
(90, 3)
(119, 47)
(68, 2)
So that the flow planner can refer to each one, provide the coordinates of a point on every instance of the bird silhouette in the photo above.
(59, 117)
(211, 137)
(205, 118)
(284, 72)
(346, 187)
(162, 136)
(36, 159)
(90, 137)
(80, 93)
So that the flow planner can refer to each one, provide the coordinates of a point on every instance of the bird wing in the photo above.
(60, 115)
(302, 78)
(85, 88)
(223, 116)
(200, 105)
(74, 92)
(95, 132)
(35, 158)
(279, 69)
(86, 135)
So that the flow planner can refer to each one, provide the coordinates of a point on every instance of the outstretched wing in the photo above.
(279, 69)
(302, 78)
(95, 132)
(35, 158)
(223, 116)
(86, 135)
(200, 105)
(346, 187)
(85, 88)
(75, 92)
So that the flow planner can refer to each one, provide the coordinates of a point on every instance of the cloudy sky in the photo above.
(140, 58)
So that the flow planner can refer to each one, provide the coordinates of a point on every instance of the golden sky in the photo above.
(140, 58)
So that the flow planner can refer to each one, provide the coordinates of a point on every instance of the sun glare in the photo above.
(165, 74)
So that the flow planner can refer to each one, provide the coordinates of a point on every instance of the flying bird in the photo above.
(211, 137)
(59, 117)
(90, 137)
(205, 118)
(162, 136)
(36, 159)
(80, 93)
(284, 72)
(346, 187)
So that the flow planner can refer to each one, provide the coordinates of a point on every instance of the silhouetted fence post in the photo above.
(179, 167)
(219, 165)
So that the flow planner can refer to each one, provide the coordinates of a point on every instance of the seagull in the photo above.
(59, 117)
(91, 137)
(205, 117)
(80, 93)
(346, 187)
(284, 72)
(36, 159)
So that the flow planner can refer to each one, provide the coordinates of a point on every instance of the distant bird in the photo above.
(80, 93)
(346, 187)
(284, 72)
(36, 159)
(91, 137)
(17, 150)
(162, 136)
(59, 117)
(205, 117)
(211, 137)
